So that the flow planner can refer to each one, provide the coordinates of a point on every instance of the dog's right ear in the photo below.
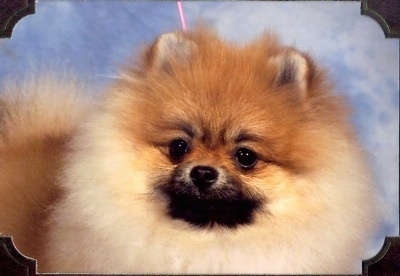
(170, 50)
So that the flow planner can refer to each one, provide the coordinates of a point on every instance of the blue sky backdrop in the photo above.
(94, 37)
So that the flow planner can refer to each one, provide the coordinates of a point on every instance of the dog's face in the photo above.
(206, 186)
(223, 133)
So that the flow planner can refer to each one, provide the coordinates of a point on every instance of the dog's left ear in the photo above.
(170, 50)
(296, 69)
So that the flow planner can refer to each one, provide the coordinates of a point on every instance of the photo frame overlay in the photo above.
(14, 263)
(387, 260)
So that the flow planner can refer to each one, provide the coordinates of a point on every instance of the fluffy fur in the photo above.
(114, 192)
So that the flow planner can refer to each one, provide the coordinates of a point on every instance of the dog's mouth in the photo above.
(208, 212)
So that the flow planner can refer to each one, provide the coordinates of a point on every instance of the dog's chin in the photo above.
(210, 212)
(223, 207)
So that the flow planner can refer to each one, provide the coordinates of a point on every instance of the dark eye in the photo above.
(246, 158)
(178, 148)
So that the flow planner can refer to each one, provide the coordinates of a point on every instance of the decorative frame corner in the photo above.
(12, 262)
(386, 13)
(387, 260)
(13, 11)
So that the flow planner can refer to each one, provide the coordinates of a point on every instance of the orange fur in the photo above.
(37, 119)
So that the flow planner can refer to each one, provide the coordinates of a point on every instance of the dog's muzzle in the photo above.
(203, 197)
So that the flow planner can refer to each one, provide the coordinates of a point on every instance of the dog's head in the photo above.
(225, 132)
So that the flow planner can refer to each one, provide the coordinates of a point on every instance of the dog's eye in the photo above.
(246, 158)
(178, 148)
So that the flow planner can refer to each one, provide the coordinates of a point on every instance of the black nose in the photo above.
(203, 176)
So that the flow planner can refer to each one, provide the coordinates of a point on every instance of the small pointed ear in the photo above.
(169, 50)
(295, 69)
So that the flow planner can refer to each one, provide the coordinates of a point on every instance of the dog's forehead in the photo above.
(217, 131)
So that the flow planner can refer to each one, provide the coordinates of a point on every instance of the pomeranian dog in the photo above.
(203, 157)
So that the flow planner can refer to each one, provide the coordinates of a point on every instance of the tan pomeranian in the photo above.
(204, 157)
